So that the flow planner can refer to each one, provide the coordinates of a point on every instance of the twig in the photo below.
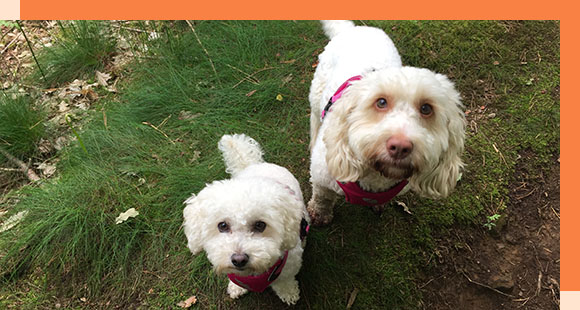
(488, 287)
(199, 41)
(31, 51)
(250, 77)
(129, 28)
(32, 176)
(159, 130)
(556, 213)
(9, 169)
(10, 44)
(539, 283)
(526, 195)
(352, 298)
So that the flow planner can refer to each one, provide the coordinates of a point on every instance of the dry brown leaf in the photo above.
(188, 302)
(251, 93)
(102, 78)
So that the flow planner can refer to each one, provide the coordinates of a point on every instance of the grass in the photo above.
(159, 145)
(83, 47)
(21, 125)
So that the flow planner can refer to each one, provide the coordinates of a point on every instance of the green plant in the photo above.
(21, 125)
(82, 48)
(491, 221)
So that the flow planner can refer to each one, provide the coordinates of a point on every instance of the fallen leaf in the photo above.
(196, 155)
(63, 107)
(47, 169)
(495, 63)
(405, 208)
(102, 78)
(185, 115)
(279, 97)
(250, 93)
(13, 221)
(287, 79)
(530, 81)
(44, 146)
(126, 215)
(188, 302)
(153, 36)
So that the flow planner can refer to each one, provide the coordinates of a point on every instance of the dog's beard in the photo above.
(393, 169)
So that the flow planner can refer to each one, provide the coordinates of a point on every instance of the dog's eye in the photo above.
(381, 103)
(259, 226)
(426, 109)
(223, 227)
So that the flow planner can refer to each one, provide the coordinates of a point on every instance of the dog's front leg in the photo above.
(320, 207)
(235, 291)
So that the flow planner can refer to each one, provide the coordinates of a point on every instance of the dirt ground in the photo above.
(517, 265)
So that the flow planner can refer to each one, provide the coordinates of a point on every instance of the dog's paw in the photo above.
(235, 291)
(288, 291)
(378, 209)
(318, 218)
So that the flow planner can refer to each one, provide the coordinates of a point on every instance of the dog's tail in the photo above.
(333, 27)
(239, 151)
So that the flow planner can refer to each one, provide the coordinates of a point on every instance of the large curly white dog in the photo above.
(377, 128)
(251, 226)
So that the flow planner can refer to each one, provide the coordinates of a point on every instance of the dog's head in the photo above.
(244, 226)
(402, 122)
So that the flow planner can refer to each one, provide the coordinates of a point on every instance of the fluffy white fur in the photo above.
(351, 143)
(257, 191)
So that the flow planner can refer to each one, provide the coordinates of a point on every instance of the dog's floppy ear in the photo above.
(439, 182)
(342, 163)
(192, 224)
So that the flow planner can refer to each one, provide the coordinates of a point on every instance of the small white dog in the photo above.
(377, 128)
(251, 226)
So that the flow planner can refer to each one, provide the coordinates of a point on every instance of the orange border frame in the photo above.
(377, 9)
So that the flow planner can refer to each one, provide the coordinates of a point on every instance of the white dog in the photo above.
(251, 226)
(377, 128)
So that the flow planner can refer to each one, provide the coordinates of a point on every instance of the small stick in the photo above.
(32, 176)
(10, 44)
(488, 287)
(199, 41)
(159, 130)
(32, 51)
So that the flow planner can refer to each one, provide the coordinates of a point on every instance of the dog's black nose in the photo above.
(240, 260)
(399, 147)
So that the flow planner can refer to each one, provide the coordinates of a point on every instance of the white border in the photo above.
(569, 300)
(10, 10)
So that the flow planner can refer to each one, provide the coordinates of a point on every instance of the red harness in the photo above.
(260, 282)
(354, 194)
(352, 191)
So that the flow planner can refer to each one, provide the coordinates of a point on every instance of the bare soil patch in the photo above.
(514, 266)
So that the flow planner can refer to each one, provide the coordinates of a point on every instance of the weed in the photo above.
(82, 48)
(21, 125)
(491, 221)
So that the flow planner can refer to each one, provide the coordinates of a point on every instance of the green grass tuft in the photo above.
(82, 48)
(21, 125)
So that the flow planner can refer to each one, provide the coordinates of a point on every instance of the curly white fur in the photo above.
(351, 143)
(257, 192)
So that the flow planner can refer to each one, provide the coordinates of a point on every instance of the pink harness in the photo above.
(260, 282)
(354, 194)
(352, 191)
